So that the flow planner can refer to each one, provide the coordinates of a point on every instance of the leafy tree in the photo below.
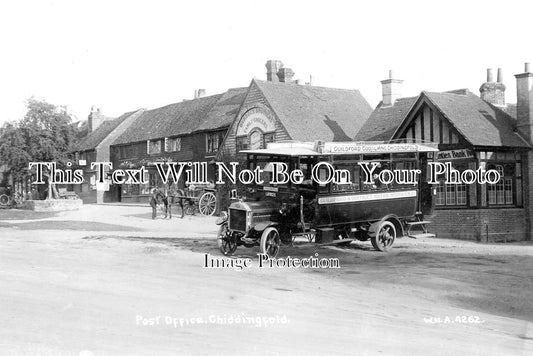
(12, 150)
(45, 134)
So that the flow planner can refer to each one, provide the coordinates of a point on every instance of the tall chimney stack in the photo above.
(391, 89)
(489, 75)
(524, 125)
(273, 66)
(285, 75)
(524, 102)
(493, 92)
(200, 93)
(95, 119)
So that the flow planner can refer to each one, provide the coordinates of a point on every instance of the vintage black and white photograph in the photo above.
(266, 177)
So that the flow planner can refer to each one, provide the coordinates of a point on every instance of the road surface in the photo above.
(108, 280)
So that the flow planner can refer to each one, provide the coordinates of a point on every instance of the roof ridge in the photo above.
(303, 86)
(452, 92)
(186, 101)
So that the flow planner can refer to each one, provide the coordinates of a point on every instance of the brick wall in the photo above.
(478, 224)
(493, 93)
(193, 149)
(528, 189)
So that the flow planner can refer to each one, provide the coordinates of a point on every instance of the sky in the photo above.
(124, 55)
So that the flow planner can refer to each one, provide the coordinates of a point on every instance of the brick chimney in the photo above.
(95, 119)
(200, 93)
(524, 102)
(273, 66)
(391, 89)
(285, 75)
(493, 92)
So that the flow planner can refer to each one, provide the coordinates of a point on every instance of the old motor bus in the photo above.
(348, 209)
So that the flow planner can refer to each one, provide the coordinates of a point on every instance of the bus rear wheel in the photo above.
(383, 238)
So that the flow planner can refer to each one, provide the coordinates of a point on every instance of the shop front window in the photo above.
(501, 193)
(452, 194)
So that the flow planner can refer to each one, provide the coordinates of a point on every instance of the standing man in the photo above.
(153, 202)
(167, 201)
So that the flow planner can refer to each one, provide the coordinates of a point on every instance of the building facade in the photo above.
(471, 132)
(279, 109)
(189, 131)
(95, 147)
(215, 128)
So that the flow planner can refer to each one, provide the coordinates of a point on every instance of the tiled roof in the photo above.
(225, 110)
(384, 120)
(171, 120)
(510, 109)
(481, 123)
(312, 113)
(207, 113)
(94, 138)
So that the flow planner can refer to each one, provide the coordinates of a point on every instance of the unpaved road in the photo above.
(95, 286)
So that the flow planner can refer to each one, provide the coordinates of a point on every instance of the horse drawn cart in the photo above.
(199, 199)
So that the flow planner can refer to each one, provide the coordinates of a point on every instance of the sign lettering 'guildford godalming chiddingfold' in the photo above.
(322, 173)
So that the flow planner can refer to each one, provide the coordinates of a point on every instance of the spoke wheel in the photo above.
(207, 204)
(227, 242)
(384, 236)
(270, 242)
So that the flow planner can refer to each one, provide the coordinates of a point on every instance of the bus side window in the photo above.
(323, 176)
(305, 167)
(377, 184)
(402, 167)
(352, 177)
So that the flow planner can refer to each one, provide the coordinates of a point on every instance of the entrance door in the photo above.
(425, 197)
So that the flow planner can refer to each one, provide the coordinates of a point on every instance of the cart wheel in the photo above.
(207, 204)
(270, 242)
(226, 242)
(384, 236)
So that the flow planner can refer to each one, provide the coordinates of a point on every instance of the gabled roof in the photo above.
(171, 120)
(207, 113)
(225, 110)
(481, 123)
(384, 120)
(94, 138)
(310, 113)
